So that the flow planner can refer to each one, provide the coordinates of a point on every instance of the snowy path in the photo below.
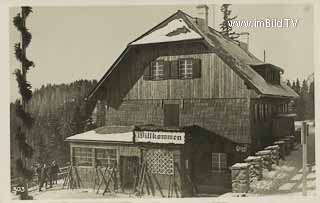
(286, 179)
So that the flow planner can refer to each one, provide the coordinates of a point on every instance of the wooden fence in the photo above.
(34, 181)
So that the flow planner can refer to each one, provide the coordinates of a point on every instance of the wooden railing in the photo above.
(34, 181)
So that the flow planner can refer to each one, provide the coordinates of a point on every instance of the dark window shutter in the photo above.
(174, 70)
(166, 70)
(196, 69)
(147, 73)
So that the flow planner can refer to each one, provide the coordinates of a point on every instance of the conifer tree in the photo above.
(26, 151)
(298, 88)
(226, 29)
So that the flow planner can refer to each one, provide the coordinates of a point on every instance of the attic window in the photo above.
(184, 68)
(157, 69)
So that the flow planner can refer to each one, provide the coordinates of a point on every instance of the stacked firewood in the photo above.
(266, 159)
(255, 168)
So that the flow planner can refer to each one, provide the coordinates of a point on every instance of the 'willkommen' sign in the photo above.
(160, 137)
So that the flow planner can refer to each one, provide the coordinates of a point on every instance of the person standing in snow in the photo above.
(44, 177)
(53, 173)
(38, 172)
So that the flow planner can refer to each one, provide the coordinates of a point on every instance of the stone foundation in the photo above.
(282, 151)
(255, 167)
(240, 178)
(287, 144)
(275, 153)
(292, 141)
(266, 159)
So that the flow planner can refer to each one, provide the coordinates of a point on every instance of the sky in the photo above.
(72, 43)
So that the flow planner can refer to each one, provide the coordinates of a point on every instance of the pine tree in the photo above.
(289, 83)
(298, 88)
(26, 151)
(226, 29)
(311, 95)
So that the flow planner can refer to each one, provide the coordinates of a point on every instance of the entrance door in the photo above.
(128, 171)
(171, 114)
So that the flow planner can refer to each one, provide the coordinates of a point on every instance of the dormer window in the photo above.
(270, 73)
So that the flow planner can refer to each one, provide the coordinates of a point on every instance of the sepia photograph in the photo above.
(162, 101)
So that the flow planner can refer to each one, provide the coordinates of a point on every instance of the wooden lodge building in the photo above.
(178, 107)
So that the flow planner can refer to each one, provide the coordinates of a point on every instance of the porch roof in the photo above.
(123, 134)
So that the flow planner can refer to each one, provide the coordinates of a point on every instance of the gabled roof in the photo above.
(183, 27)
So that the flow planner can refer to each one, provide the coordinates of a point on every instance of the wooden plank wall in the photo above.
(229, 117)
(87, 172)
(126, 81)
(217, 81)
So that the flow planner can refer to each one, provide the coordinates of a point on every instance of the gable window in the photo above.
(219, 161)
(157, 69)
(185, 68)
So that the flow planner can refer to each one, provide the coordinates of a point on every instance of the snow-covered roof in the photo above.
(175, 30)
(106, 134)
(182, 27)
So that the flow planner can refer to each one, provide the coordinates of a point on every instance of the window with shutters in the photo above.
(219, 161)
(186, 68)
(157, 69)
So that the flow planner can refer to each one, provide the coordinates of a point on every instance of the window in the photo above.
(82, 156)
(157, 69)
(185, 68)
(219, 161)
(106, 157)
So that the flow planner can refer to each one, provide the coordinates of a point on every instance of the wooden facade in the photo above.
(229, 106)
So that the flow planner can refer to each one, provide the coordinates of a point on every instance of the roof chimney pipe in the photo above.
(202, 19)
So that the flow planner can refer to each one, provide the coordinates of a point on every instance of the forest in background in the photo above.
(304, 105)
(58, 111)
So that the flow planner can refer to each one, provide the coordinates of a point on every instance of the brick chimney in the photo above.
(202, 18)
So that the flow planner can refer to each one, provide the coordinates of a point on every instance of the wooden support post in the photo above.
(102, 179)
(150, 183)
(304, 135)
(158, 185)
(109, 180)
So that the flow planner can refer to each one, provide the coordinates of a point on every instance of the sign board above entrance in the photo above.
(160, 137)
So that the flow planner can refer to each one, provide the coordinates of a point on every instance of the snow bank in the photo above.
(273, 179)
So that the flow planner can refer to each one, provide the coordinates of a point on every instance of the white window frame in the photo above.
(77, 157)
(157, 69)
(220, 165)
(108, 158)
(186, 68)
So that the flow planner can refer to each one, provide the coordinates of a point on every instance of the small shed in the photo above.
(174, 161)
